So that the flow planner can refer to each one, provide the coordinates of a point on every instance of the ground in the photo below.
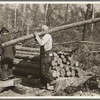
(29, 87)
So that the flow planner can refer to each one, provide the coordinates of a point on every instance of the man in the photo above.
(46, 56)
(6, 55)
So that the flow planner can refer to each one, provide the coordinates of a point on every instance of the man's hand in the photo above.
(36, 33)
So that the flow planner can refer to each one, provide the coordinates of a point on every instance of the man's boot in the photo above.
(3, 73)
(10, 73)
(51, 85)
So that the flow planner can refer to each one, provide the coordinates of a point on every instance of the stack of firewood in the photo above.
(63, 65)
(27, 61)
(26, 52)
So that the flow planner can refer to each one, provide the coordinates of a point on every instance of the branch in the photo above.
(88, 42)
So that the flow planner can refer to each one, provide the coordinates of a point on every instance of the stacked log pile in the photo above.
(28, 62)
(25, 68)
(26, 52)
(63, 65)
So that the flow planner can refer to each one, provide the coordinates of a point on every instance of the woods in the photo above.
(23, 18)
(76, 43)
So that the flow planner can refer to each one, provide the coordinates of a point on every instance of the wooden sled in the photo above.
(10, 82)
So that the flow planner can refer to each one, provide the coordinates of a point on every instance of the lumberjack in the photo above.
(6, 55)
(46, 56)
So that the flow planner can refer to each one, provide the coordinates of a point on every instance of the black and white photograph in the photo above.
(49, 49)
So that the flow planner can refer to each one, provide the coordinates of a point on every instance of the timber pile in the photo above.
(24, 68)
(27, 63)
(63, 65)
(26, 52)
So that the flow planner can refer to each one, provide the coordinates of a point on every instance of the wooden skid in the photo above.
(11, 82)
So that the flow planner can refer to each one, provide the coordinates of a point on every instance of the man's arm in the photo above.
(41, 41)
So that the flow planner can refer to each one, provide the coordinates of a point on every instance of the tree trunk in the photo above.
(92, 18)
(87, 16)
(46, 9)
(66, 14)
(47, 14)
(51, 31)
(15, 19)
(24, 9)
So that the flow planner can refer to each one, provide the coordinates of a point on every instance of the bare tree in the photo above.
(66, 13)
(87, 16)
(92, 18)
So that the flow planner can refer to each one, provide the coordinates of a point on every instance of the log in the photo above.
(57, 74)
(27, 53)
(16, 61)
(54, 74)
(51, 70)
(77, 24)
(82, 42)
(61, 65)
(70, 58)
(53, 63)
(59, 61)
(94, 51)
(62, 56)
(64, 60)
(68, 63)
(66, 68)
(26, 71)
(73, 73)
(55, 67)
(27, 49)
(31, 65)
(56, 63)
(58, 68)
(21, 56)
(55, 58)
(62, 73)
(55, 54)
(68, 74)
(11, 82)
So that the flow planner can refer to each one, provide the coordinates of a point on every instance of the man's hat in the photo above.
(44, 27)
(3, 29)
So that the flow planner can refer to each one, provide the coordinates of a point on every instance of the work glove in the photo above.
(35, 34)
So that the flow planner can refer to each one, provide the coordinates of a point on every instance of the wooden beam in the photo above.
(76, 24)
(21, 56)
(27, 49)
(27, 53)
(11, 82)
